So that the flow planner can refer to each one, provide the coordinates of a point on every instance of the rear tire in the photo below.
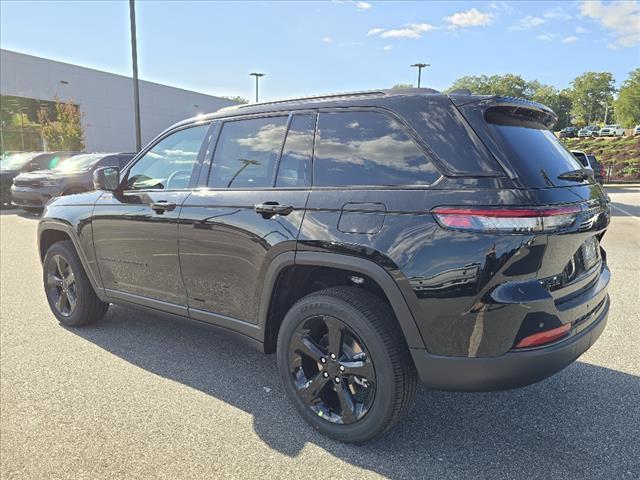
(347, 406)
(68, 289)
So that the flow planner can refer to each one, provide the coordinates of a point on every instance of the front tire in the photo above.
(67, 287)
(345, 364)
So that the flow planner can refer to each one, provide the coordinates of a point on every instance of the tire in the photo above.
(63, 275)
(368, 327)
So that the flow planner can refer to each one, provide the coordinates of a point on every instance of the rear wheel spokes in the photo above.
(60, 265)
(310, 391)
(54, 280)
(302, 343)
(62, 285)
(359, 366)
(61, 303)
(334, 335)
(333, 372)
(347, 403)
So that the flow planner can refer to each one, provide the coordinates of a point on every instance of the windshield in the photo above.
(79, 163)
(16, 161)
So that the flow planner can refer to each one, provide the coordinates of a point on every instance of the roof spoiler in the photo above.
(517, 107)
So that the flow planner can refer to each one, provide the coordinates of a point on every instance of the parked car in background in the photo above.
(568, 132)
(33, 190)
(590, 162)
(589, 131)
(368, 239)
(16, 163)
(636, 131)
(614, 130)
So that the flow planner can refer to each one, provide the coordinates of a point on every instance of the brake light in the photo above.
(506, 220)
(542, 338)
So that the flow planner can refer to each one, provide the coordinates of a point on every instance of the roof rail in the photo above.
(334, 96)
(331, 96)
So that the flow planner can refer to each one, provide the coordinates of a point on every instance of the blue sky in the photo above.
(319, 47)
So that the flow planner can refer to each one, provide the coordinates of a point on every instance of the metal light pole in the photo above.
(420, 67)
(606, 113)
(257, 75)
(134, 58)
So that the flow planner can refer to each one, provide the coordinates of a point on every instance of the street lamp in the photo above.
(420, 67)
(257, 75)
(134, 60)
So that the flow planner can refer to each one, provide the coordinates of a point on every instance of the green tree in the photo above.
(238, 99)
(627, 105)
(402, 86)
(558, 101)
(508, 85)
(65, 131)
(591, 92)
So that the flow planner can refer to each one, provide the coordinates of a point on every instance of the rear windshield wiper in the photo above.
(579, 175)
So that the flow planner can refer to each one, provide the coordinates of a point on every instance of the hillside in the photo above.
(622, 154)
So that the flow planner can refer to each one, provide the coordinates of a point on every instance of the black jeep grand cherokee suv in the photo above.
(369, 239)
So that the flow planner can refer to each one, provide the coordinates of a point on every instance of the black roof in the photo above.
(362, 98)
(329, 100)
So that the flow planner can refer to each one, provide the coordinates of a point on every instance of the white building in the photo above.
(105, 99)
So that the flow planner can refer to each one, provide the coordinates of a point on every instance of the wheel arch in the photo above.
(288, 278)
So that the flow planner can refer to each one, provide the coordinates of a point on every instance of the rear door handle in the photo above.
(269, 209)
(162, 206)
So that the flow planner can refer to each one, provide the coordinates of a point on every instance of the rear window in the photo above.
(367, 148)
(538, 153)
(533, 150)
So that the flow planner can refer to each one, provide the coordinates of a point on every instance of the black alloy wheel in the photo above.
(69, 292)
(61, 285)
(332, 370)
(344, 363)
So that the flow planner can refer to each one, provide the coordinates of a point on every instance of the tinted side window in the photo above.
(582, 158)
(170, 162)
(367, 148)
(247, 152)
(295, 164)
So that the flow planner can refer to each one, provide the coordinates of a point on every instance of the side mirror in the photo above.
(106, 178)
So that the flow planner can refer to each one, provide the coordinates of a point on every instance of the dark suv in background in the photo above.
(33, 190)
(369, 239)
(14, 164)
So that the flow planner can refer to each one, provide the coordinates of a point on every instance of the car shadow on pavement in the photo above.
(582, 423)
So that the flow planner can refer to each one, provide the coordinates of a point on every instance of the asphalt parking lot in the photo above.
(142, 396)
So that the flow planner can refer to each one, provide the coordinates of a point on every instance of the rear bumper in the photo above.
(511, 370)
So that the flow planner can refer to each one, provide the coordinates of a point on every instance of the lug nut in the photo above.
(342, 368)
(325, 374)
(333, 356)
(337, 380)
(323, 360)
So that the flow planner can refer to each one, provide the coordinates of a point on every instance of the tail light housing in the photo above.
(507, 220)
(542, 338)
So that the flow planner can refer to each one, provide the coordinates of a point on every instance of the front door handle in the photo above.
(269, 209)
(162, 206)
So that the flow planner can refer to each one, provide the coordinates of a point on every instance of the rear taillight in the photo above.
(506, 220)
(542, 338)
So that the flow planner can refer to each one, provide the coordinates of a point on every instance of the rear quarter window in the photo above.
(367, 148)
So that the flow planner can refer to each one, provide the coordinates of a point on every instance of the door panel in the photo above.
(226, 246)
(137, 246)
